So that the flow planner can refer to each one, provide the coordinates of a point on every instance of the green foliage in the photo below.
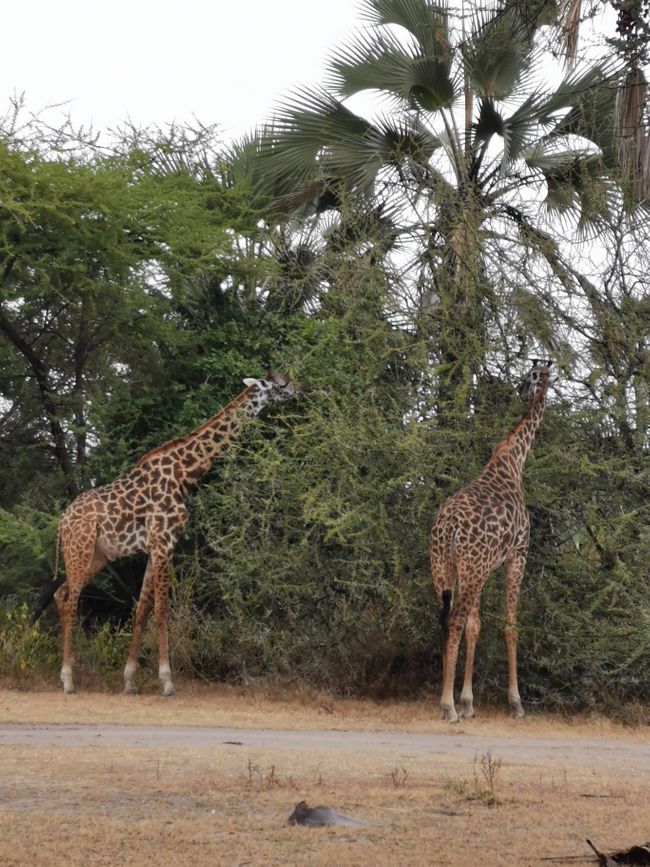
(27, 538)
(25, 647)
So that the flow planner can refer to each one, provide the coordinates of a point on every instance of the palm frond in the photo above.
(244, 163)
(592, 117)
(571, 90)
(611, 114)
(489, 121)
(499, 52)
(378, 61)
(311, 196)
(575, 179)
(317, 136)
(427, 22)
(544, 110)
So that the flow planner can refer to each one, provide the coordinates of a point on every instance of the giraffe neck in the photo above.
(194, 454)
(511, 453)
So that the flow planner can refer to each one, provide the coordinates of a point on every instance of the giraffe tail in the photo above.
(57, 552)
(443, 615)
(48, 595)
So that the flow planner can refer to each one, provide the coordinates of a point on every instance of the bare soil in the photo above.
(211, 776)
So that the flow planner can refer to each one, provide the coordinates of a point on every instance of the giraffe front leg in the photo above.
(161, 606)
(514, 574)
(145, 603)
(514, 699)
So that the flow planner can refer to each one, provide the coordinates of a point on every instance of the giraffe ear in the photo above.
(249, 380)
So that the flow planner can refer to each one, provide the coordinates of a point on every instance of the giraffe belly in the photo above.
(122, 542)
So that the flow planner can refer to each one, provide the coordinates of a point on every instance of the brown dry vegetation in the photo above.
(228, 804)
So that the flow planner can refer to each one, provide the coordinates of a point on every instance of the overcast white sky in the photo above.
(154, 61)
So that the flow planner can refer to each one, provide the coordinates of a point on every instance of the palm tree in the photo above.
(462, 149)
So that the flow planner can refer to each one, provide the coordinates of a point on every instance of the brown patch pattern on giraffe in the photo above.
(478, 529)
(144, 511)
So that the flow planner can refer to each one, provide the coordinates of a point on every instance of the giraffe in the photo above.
(476, 530)
(144, 511)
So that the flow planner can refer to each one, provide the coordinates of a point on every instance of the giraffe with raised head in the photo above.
(144, 511)
(476, 530)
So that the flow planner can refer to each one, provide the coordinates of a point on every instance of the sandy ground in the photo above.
(211, 776)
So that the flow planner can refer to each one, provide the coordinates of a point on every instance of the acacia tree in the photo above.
(99, 250)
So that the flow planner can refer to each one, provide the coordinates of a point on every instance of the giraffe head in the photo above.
(538, 373)
(276, 386)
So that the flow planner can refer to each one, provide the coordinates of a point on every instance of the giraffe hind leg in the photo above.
(159, 563)
(82, 561)
(444, 578)
(472, 629)
(465, 608)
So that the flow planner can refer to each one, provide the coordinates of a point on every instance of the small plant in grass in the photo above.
(271, 779)
(253, 772)
(268, 780)
(103, 650)
(488, 768)
(397, 777)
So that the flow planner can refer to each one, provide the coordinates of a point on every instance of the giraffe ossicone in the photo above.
(144, 511)
(479, 528)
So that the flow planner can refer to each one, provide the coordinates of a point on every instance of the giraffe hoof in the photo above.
(130, 690)
(449, 715)
(517, 710)
(169, 692)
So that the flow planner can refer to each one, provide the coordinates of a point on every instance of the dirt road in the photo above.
(607, 754)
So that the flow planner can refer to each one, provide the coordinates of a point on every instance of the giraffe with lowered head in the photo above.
(479, 528)
(144, 511)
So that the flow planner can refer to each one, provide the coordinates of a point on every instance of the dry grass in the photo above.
(228, 805)
(248, 707)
